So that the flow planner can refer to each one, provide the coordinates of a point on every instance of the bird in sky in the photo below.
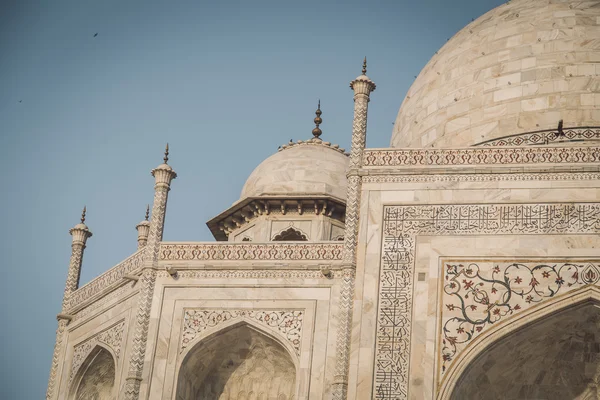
(95, 34)
(560, 128)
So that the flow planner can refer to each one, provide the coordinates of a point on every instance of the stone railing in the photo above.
(481, 156)
(110, 277)
(282, 251)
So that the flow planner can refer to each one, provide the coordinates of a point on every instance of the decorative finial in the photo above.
(147, 212)
(364, 71)
(83, 215)
(166, 158)
(317, 132)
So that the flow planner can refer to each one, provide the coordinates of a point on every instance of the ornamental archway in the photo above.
(96, 376)
(551, 353)
(237, 362)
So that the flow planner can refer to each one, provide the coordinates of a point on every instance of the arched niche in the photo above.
(237, 362)
(290, 235)
(555, 356)
(96, 377)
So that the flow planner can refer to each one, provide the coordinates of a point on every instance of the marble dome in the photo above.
(305, 168)
(521, 67)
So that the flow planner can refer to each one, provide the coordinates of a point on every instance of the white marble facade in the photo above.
(430, 270)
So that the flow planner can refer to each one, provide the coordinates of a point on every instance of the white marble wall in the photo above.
(431, 249)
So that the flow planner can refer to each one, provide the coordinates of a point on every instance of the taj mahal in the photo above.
(462, 262)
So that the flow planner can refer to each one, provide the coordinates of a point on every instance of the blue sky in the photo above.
(84, 119)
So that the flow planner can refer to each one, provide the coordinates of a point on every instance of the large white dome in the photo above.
(521, 67)
(306, 168)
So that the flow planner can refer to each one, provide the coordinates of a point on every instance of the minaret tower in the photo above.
(362, 87)
(80, 234)
(143, 229)
(163, 175)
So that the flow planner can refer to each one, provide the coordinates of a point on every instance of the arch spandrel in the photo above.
(546, 313)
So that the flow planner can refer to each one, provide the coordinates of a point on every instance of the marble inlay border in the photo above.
(110, 277)
(477, 294)
(111, 337)
(401, 225)
(287, 322)
(483, 156)
(244, 251)
(545, 137)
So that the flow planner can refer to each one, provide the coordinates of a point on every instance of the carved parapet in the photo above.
(113, 276)
(481, 156)
(329, 251)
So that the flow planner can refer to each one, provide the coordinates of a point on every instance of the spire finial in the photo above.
(83, 215)
(147, 212)
(317, 132)
(166, 158)
(364, 70)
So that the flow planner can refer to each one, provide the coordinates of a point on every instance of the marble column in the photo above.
(163, 175)
(80, 234)
(362, 87)
(143, 229)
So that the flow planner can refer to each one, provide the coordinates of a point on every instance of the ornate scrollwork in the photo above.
(475, 299)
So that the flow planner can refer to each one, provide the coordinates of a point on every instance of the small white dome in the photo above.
(307, 168)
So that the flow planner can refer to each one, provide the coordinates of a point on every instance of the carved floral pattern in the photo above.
(247, 251)
(476, 297)
(401, 225)
(287, 322)
(111, 337)
(481, 156)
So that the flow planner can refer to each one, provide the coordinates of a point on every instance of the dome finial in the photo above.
(364, 70)
(83, 215)
(317, 131)
(166, 158)
(147, 212)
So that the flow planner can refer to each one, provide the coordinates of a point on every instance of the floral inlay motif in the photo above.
(477, 295)
(111, 337)
(287, 322)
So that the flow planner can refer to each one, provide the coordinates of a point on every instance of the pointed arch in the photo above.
(529, 322)
(237, 359)
(95, 378)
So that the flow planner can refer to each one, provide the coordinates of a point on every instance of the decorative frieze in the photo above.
(402, 224)
(111, 337)
(477, 295)
(287, 322)
(573, 176)
(248, 274)
(482, 156)
(110, 277)
(250, 251)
